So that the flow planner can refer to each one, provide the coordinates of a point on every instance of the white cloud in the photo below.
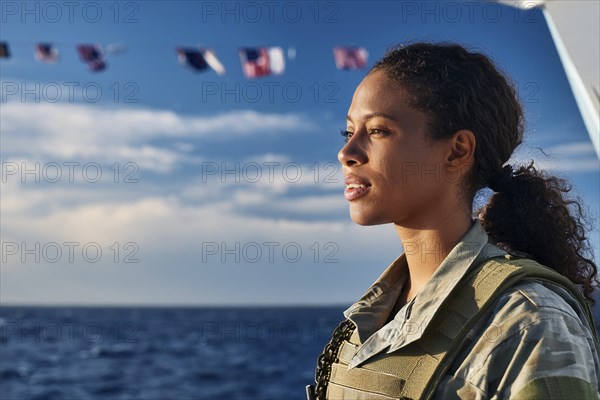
(48, 131)
(184, 146)
(573, 149)
(168, 230)
(269, 158)
(170, 238)
(572, 157)
(313, 206)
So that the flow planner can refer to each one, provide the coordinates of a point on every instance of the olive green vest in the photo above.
(415, 371)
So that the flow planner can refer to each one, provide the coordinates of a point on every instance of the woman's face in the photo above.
(394, 172)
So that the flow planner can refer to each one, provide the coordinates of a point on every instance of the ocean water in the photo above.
(161, 353)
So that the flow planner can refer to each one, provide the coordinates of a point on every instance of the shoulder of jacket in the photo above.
(531, 303)
(541, 295)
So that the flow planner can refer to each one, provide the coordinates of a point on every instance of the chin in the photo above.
(365, 219)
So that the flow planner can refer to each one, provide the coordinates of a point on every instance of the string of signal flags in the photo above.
(256, 61)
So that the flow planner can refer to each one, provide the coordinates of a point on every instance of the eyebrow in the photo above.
(373, 115)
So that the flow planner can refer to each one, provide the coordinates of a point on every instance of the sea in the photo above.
(80, 353)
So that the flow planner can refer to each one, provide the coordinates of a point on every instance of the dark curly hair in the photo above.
(459, 89)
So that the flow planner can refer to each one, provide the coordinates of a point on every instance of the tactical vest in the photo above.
(415, 371)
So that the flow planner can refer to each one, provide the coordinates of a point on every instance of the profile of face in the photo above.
(394, 172)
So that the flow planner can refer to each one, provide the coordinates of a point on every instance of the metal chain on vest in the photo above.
(330, 356)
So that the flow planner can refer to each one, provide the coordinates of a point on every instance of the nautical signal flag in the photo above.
(350, 57)
(4, 51)
(262, 61)
(92, 55)
(200, 59)
(192, 58)
(46, 52)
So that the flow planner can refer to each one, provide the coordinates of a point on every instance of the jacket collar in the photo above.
(373, 309)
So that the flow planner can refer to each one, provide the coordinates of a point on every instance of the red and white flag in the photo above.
(262, 61)
(46, 52)
(92, 55)
(350, 57)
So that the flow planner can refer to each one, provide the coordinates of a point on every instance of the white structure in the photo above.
(575, 29)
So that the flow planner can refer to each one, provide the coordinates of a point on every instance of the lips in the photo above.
(355, 187)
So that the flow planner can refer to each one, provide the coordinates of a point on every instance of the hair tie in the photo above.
(502, 180)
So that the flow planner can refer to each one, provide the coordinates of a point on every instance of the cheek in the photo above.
(410, 181)
(416, 164)
(398, 171)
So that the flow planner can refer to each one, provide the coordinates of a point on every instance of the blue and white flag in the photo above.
(200, 59)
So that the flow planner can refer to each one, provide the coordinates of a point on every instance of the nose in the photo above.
(353, 152)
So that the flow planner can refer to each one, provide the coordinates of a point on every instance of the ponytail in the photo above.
(529, 213)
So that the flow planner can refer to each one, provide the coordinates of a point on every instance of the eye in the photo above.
(346, 134)
(377, 131)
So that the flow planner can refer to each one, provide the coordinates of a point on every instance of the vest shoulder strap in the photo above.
(419, 367)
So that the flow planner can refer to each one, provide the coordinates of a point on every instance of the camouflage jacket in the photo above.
(534, 330)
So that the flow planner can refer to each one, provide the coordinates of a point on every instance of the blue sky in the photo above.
(173, 134)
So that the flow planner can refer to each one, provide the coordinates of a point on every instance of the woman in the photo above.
(464, 312)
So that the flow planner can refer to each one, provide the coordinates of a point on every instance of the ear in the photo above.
(461, 151)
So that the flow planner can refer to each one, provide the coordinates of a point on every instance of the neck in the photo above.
(426, 245)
